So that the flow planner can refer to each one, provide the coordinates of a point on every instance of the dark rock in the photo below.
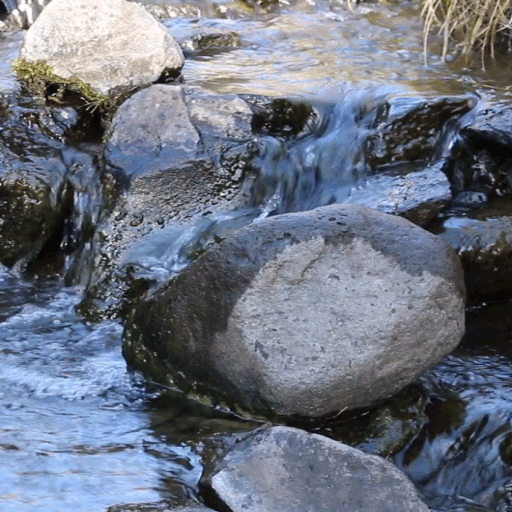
(108, 59)
(305, 314)
(201, 44)
(485, 250)
(480, 167)
(286, 469)
(32, 182)
(410, 129)
(385, 429)
(491, 125)
(456, 504)
(281, 117)
(174, 155)
(418, 196)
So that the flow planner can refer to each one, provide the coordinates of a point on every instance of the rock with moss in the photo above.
(107, 46)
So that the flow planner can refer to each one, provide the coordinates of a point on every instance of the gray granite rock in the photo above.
(108, 45)
(305, 314)
(285, 469)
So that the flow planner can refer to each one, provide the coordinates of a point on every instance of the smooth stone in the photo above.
(285, 469)
(304, 314)
(106, 44)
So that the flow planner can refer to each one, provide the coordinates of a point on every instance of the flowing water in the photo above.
(79, 432)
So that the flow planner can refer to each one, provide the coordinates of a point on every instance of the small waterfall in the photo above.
(323, 166)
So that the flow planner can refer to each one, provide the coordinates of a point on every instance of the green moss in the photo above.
(39, 78)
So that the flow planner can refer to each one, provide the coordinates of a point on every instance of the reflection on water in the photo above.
(465, 448)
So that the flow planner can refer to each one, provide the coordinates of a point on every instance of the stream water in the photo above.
(79, 432)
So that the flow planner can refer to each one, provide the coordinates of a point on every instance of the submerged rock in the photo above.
(285, 469)
(106, 45)
(304, 314)
(418, 196)
(174, 155)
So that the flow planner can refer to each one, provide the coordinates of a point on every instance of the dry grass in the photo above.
(473, 24)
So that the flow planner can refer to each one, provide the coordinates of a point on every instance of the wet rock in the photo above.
(201, 44)
(174, 155)
(485, 250)
(287, 469)
(418, 196)
(492, 124)
(32, 181)
(456, 504)
(29, 208)
(479, 167)
(281, 117)
(385, 429)
(157, 507)
(305, 314)
(107, 45)
(411, 129)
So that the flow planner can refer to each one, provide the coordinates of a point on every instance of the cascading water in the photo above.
(322, 166)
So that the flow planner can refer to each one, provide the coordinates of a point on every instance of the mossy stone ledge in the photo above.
(39, 78)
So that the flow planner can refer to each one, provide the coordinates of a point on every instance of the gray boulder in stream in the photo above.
(285, 469)
(105, 44)
(304, 314)
(174, 155)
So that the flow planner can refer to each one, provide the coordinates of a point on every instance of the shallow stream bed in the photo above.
(79, 432)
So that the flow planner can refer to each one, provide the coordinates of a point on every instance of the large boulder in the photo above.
(106, 45)
(285, 469)
(305, 314)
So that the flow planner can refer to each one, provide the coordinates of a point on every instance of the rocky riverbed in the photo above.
(240, 244)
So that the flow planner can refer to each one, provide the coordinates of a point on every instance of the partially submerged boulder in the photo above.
(285, 469)
(106, 45)
(304, 314)
(174, 155)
